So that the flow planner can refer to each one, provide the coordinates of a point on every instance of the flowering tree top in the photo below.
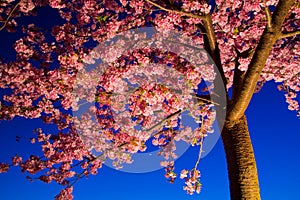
(248, 42)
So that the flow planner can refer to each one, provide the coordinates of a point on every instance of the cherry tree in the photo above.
(250, 43)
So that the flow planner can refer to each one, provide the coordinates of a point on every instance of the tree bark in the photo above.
(242, 171)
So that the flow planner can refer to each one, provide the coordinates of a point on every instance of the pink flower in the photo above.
(65, 194)
(26, 6)
(32, 140)
(16, 160)
(184, 173)
(4, 167)
(56, 4)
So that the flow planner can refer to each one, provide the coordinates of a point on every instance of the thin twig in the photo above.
(164, 120)
(201, 145)
(9, 16)
(79, 176)
(289, 34)
(207, 100)
(177, 11)
(268, 15)
(186, 45)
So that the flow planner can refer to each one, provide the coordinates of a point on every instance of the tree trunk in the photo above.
(242, 171)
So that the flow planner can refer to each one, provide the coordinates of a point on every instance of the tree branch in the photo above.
(181, 12)
(268, 15)
(239, 105)
(238, 79)
(220, 81)
(210, 45)
(204, 99)
(164, 120)
(289, 34)
(9, 16)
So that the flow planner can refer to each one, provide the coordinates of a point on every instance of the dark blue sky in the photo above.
(274, 131)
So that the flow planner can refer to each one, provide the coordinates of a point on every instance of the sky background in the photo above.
(274, 132)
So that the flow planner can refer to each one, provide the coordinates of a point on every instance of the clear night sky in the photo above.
(274, 131)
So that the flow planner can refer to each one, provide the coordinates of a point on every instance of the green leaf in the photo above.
(236, 31)
(101, 18)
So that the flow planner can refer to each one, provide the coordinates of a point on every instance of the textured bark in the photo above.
(242, 171)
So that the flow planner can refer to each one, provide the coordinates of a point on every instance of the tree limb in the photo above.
(210, 45)
(289, 34)
(220, 81)
(238, 79)
(261, 54)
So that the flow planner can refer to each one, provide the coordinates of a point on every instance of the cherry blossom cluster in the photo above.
(201, 7)
(169, 169)
(65, 194)
(4, 167)
(192, 180)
